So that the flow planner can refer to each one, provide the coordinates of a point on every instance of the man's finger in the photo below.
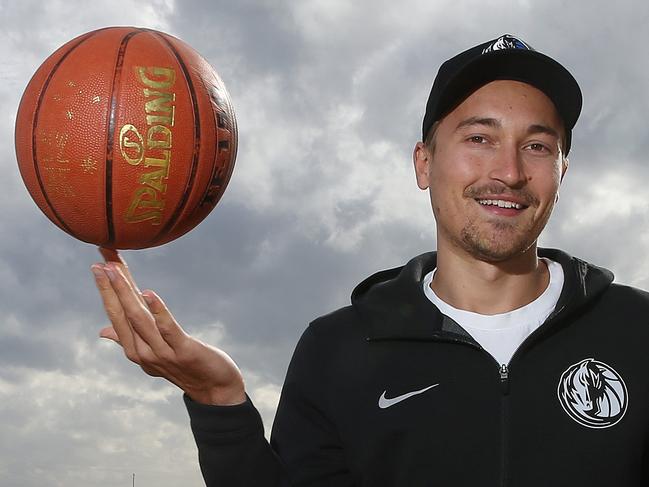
(113, 308)
(137, 312)
(169, 329)
(109, 333)
(112, 255)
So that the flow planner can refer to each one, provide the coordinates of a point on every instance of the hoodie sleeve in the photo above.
(304, 450)
(232, 449)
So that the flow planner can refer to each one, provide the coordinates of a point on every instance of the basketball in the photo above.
(126, 138)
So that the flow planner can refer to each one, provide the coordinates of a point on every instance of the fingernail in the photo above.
(110, 272)
(96, 270)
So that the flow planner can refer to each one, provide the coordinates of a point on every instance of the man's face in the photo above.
(495, 171)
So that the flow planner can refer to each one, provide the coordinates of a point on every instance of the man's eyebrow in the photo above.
(536, 128)
(489, 122)
(542, 129)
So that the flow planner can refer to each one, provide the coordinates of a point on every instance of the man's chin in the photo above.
(494, 251)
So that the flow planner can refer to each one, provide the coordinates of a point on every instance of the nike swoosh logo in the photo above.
(384, 402)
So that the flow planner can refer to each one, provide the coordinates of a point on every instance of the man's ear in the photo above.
(564, 167)
(421, 158)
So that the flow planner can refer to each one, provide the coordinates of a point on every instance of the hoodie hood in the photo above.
(393, 305)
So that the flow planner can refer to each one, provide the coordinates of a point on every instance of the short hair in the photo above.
(431, 137)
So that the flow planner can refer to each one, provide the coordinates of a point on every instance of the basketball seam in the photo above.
(197, 141)
(108, 166)
(226, 178)
(216, 156)
(235, 144)
(46, 84)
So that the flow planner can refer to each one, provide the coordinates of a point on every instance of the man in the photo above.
(487, 363)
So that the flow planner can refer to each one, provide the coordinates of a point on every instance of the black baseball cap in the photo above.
(506, 57)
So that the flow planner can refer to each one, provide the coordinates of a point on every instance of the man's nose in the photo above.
(508, 166)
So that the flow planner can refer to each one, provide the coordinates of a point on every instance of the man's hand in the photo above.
(151, 337)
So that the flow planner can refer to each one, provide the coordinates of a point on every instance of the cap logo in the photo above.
(506, 42)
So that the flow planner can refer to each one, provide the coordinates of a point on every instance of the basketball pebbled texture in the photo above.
(126, 137)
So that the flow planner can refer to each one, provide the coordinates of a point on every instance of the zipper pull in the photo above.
(504, 378)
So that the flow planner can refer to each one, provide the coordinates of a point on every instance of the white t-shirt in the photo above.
(501, 334)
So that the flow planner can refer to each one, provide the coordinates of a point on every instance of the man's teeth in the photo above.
(501, 204)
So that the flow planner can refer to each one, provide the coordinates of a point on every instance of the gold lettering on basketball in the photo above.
(159, 137)
(161, 103)
(145, 206)
(155, 178)
(131, 144)
(148, 200)
(165, 77)
(160, 120)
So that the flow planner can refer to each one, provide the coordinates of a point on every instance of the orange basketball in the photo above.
(126, 137)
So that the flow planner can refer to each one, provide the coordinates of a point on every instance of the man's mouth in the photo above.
(502, 204)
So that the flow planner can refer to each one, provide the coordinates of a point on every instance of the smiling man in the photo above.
(489, 362)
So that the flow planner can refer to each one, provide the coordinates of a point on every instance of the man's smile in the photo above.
(501, 207)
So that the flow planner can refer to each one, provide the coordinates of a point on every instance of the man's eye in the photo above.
(477, 139)
(536, 147)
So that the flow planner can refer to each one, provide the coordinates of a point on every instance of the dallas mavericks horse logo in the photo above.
(593, 394)
(506, 42)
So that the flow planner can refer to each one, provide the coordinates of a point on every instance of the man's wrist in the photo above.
(219, 397)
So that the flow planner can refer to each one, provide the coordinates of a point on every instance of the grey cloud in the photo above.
(329, 97)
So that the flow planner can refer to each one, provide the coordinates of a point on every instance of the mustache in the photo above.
(498, 190)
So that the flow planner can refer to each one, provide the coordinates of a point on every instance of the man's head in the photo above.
(496, 134)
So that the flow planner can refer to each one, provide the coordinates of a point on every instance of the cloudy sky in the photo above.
(329, 97)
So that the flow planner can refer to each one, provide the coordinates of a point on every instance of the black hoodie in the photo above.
(390, 392)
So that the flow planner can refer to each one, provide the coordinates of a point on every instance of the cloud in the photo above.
(329, 97)
(92, 425)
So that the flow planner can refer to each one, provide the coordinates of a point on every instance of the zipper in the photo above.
(504, 379)
(504, 431)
